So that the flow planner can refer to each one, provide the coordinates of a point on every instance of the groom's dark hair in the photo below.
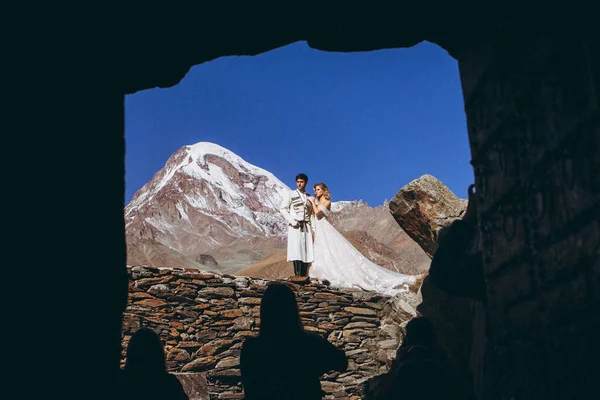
(303, 177)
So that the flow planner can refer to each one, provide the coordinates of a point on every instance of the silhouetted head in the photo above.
(420, 331)
(145, 352)
(321, 189)
(279, 316)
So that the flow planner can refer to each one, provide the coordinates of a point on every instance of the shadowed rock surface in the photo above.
(426, 209)
(532, 103)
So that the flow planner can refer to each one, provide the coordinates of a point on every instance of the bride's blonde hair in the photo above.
(326, 192)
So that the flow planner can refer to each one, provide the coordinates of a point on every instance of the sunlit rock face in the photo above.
(423, 208)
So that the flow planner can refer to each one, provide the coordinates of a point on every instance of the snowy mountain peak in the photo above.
(211, 162)
(200, 150)
(205, 197)
(338, 206)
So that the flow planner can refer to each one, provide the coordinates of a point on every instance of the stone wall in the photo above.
(203, 320)
(534, 128)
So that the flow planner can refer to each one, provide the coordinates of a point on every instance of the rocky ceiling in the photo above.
(161, 44)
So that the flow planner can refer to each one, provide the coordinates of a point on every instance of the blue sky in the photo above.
(364, 123)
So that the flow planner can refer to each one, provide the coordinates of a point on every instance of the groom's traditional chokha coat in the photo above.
(296, 206)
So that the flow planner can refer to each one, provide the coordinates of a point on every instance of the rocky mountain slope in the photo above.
(205, 199)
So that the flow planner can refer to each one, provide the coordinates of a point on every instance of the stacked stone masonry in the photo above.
(203, 320)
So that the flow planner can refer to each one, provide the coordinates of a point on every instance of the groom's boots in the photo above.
(304, 269)
(297, 267)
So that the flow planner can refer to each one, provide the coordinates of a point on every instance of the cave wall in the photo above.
(69, 69)
(534, 129)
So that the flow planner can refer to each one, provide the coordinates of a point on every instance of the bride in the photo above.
(340, 263)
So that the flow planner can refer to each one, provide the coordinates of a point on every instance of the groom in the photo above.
(297, 210)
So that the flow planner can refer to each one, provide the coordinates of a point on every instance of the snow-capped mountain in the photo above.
(208, 208)
(204, 198)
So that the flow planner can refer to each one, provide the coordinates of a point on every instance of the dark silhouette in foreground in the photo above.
(284, 361)
(145, 374)
(455, 267)
(419, 371)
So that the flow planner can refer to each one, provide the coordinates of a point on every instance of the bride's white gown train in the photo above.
(344, 266)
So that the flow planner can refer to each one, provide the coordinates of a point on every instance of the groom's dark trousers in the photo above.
(300, 268)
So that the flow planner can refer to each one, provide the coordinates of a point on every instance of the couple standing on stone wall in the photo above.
(313, 243)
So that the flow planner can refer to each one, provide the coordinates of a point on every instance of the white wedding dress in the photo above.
(337, 261)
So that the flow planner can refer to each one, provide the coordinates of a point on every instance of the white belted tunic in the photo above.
(296, 206)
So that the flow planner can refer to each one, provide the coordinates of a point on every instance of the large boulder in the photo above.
(452, 294)
(423, 208)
